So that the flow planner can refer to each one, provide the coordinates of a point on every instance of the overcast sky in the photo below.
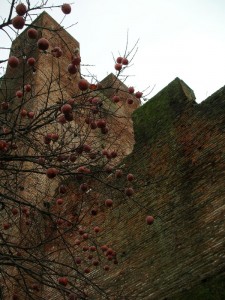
(177, 38)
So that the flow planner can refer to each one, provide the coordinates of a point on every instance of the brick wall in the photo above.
(178, 160)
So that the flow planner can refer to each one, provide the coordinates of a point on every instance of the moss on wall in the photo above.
(178, 163)
(209, 289)
(155, 118)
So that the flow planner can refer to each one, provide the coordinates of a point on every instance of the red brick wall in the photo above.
(178, 160)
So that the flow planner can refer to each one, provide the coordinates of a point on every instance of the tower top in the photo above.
(45, 22)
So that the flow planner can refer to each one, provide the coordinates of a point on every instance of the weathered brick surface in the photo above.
(178, 159)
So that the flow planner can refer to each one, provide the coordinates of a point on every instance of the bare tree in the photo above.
(62, 140)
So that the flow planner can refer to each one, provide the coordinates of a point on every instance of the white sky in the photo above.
(178, 38)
